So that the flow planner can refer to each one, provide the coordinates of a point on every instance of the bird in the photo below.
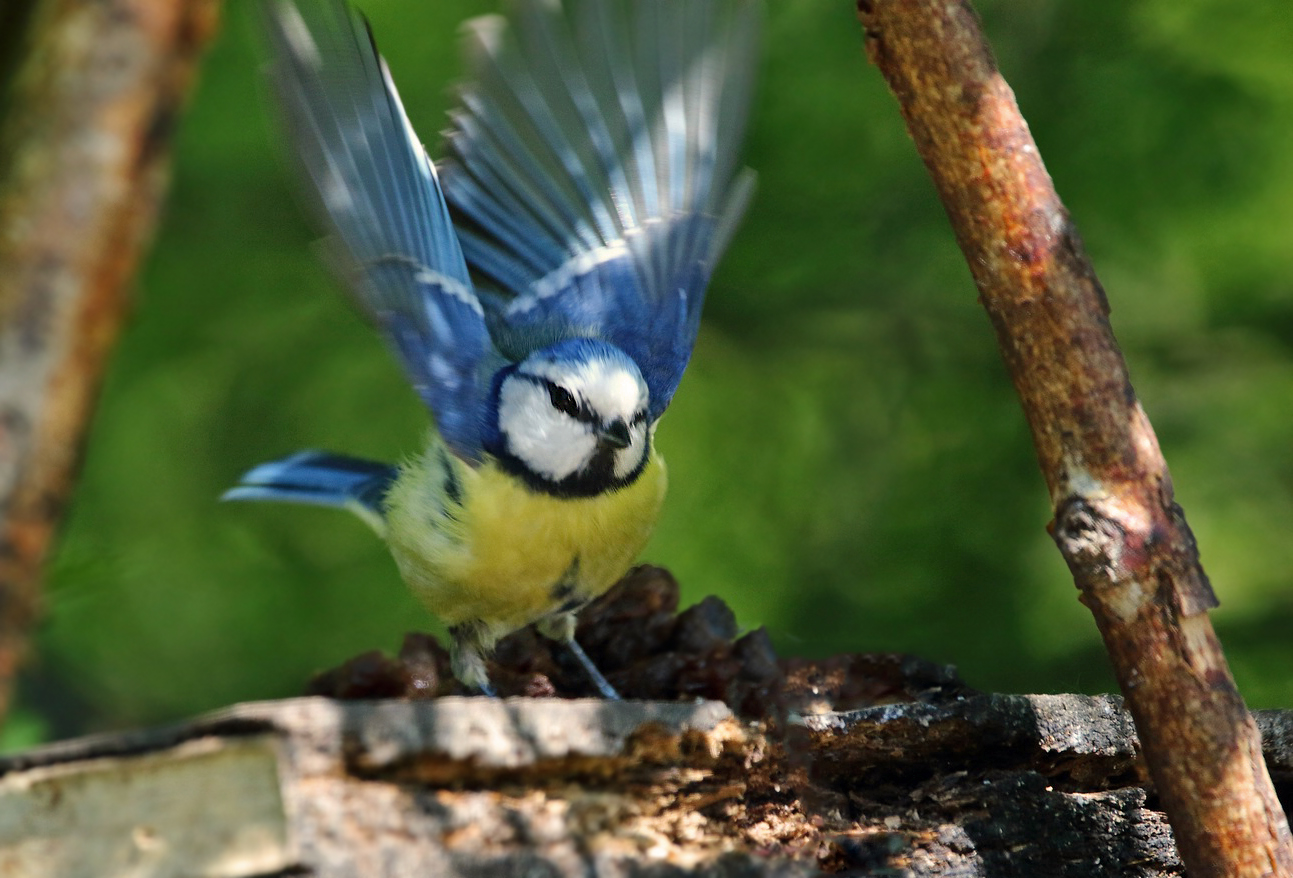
(541, 285)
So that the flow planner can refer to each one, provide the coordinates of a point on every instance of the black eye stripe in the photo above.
(564, 401)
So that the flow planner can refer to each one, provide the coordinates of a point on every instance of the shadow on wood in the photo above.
(996, 785)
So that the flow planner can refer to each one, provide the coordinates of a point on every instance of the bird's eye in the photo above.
(563, 400)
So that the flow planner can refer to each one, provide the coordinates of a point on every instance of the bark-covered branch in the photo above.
(83, 154)
(1116, 523)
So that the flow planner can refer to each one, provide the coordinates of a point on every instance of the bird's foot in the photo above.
(604, 688)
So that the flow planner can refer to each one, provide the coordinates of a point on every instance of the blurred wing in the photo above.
(321, 479)
(374, 186)
(592, 170)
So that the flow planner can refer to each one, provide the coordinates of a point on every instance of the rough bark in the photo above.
(865, 764)
(83, 152)
(1116, 523)
(979, 785)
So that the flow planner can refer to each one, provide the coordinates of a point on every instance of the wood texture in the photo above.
(83, 158)
(1125, 539)
(1007, 786)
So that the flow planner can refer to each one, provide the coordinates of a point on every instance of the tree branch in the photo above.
(83, 151)
(1125, 539)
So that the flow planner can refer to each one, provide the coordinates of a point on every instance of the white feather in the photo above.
(555, 445)
(552, 444)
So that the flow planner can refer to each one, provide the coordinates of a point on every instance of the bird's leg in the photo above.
(466, 657)
(561, 628)
(603, 685)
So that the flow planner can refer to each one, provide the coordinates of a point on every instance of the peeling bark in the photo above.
(1116, 523)
(864, 764)
(1008, 786)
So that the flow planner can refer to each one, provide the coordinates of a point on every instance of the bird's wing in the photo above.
(373, 185)
(593, 173)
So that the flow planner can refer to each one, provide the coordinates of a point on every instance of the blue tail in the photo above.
(321, 479)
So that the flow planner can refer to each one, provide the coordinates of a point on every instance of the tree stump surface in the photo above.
(998, 785)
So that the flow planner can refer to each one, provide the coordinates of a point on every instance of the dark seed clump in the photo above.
(648, 650)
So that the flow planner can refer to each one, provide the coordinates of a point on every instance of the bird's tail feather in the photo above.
(320, 478)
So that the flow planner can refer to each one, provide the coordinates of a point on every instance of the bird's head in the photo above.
(572, 418)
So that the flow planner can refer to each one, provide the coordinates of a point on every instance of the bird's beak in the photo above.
(615, 435)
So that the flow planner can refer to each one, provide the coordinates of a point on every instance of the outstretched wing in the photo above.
(374, 186)
(592, 170)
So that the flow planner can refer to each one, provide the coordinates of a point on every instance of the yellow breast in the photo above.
(478, 544)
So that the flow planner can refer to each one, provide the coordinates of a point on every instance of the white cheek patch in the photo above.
(611, 392)
(627, 460)
(548, 442)
(554, 445)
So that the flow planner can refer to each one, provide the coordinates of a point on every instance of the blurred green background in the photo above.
(849, 464)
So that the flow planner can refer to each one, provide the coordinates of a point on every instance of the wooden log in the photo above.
(982, 785)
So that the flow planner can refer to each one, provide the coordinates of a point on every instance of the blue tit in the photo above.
(542, 286)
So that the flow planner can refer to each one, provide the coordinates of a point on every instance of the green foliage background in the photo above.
(849, 464)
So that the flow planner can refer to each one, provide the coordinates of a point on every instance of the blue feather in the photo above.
(605, 295)
(591, 188)
(376, 189)
(592, 175)
(320, 478)
(592, 171)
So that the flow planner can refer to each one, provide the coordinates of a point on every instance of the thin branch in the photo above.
(83, 168)
(1125, 539)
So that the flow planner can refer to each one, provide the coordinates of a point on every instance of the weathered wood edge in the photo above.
(986, 784)
(499, 733)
